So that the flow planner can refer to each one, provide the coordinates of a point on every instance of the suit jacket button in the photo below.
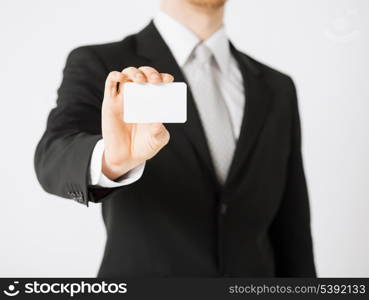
(79, 198)
(223, 208)
(71, 195)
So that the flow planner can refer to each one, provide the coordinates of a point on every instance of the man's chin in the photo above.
(208, 3)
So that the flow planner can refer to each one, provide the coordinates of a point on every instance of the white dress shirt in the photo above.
(181, 42)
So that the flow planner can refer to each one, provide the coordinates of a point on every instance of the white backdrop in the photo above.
(323, 44)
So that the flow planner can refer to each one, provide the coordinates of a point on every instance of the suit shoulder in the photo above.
(107, 53)
(275, 78)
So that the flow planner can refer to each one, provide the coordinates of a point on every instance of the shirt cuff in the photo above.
(97, 177)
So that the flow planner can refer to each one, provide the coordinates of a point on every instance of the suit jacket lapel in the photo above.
(151, 46)
(258, 96)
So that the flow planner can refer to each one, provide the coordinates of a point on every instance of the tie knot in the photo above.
(202, 54)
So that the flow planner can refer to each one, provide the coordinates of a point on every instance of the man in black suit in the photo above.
(223, 194)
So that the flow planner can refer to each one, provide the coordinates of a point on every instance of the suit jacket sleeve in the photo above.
(63, 154)
(290, 231)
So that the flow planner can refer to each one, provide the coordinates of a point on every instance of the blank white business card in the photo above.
(155, 103)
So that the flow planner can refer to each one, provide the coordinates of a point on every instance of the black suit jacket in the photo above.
(177, 220)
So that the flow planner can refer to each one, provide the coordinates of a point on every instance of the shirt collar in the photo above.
(181, 41)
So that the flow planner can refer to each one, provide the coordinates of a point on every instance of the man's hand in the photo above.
(128, 145)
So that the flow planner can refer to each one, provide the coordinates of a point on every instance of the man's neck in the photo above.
(202, 21)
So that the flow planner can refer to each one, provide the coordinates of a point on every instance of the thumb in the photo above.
(160, 135)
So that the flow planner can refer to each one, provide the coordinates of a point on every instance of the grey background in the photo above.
(323, 44)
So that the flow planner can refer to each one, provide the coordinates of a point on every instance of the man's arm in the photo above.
(63, 155)
(290, 231)
(86, 112)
